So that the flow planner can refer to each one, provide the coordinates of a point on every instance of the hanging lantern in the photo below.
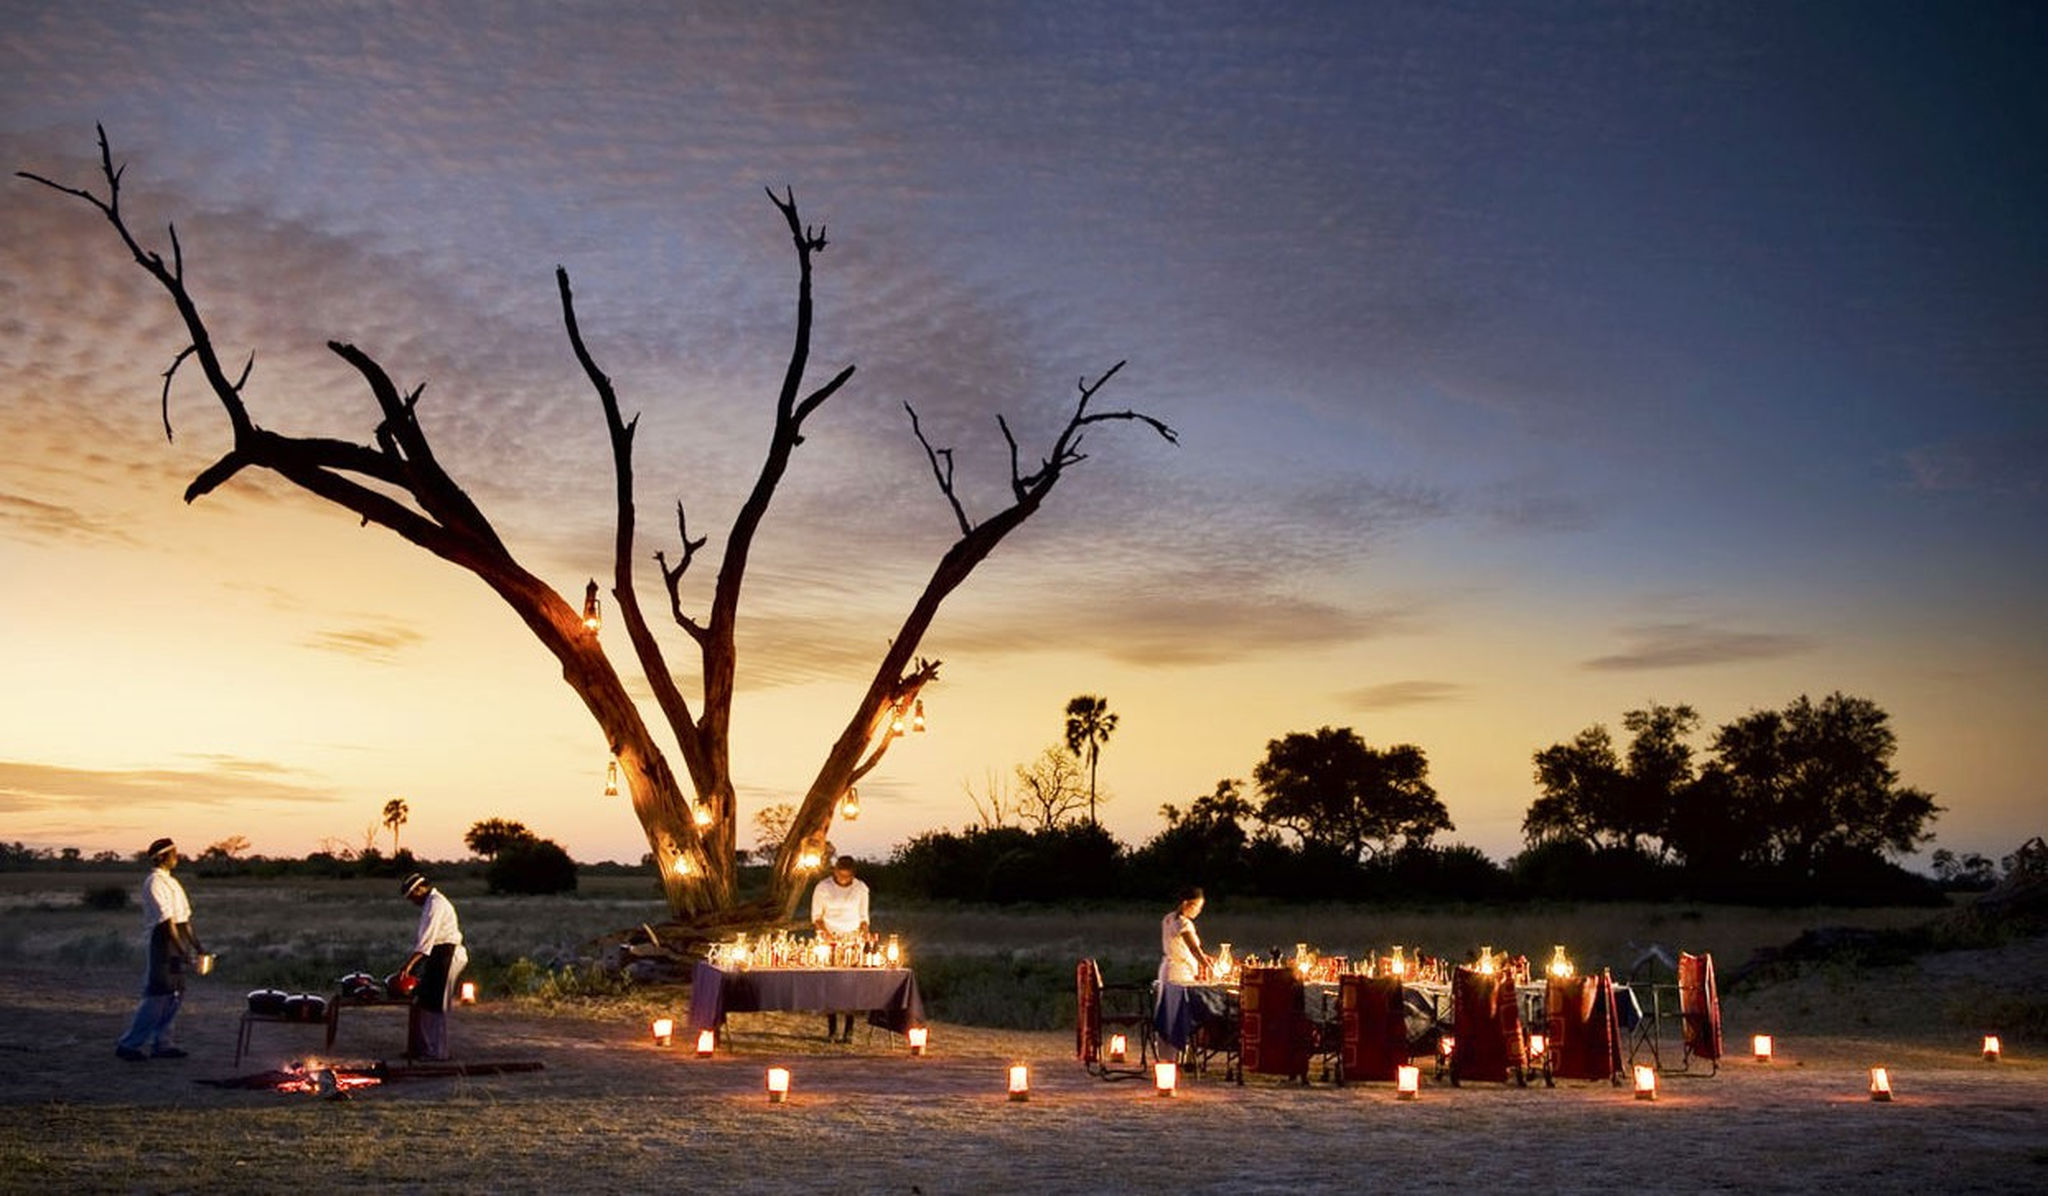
(778, 1085)
(1880, 1084)
(1119, 1048)
(701, 814)
(1165, 1077)
(706, 1041)
(849, 806)
(1020, 1082)
(1407, 1082)
(611, 777)
(809, 860)
(1761, 1045)
(593, 616)
(468, 993)
(1560, 966)
(664, 1029)
(917, 717)
(682, 866)
(1646, 1083)
(1991, 1048)
(896, 721)
(920, 1038)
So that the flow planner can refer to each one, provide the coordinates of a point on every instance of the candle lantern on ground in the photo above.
(1991, 1048)
(1763, 1047)
(1165, 1077)
(1880, 1084)
(1020, 1082)
(468, 993)
(920, 1037)
(1119, 1047)
(664, 1030)
(706, 1040)
(1407, 1082)
(1538, 1044)
(778, 1085)
(1646, 1083)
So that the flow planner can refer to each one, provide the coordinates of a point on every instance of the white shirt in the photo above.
(163, 900)
(437, 923)
(1178, 964)
(842, 908)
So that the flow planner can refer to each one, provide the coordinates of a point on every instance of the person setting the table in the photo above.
(438, 943)
(167, 920)
(839, 911)
(1182, 960)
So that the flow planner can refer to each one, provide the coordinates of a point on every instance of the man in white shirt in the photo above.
(839, 910)
(438, 945)
(167, 933)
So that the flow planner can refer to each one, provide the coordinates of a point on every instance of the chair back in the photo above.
(1488, 1025)
(1374, 1022)
(1585, 1027)
(1274, 1037)
(1087, 1012)
(1699, 1006)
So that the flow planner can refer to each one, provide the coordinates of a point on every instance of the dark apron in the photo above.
(166, 973)
(432, 993)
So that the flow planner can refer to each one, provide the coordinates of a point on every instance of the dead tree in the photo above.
(691, 832)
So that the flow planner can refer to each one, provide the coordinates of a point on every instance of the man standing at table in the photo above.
(438, 945)
(1182, 960)
(839, 911)
(167, 923)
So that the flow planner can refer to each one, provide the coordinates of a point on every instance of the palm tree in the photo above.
(394, 817)
(1089, 726)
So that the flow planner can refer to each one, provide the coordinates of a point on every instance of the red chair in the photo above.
(1091, 1017)
(1374, 1023)
(1274, 1035)
(1487, 1022)
(1699, 1011)
(1584, 1026)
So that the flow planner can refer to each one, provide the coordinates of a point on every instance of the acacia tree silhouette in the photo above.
(396, 481)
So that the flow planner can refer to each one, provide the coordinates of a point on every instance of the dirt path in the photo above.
(611, 1111)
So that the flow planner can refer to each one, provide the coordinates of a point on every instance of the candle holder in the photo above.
(1165, 1077)
(1992, 1049)
(1407, 1082)
(663, 1029)
(1646, 1083)
(706, 1041)
(1880, 1084)
(920, 1038)
(1762, 1046)
(1020, 1082)
(778, 1085)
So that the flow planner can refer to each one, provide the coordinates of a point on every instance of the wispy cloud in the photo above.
(375, 644)
(1392, 695)
(29, 519)
(218, 781)
(1688, 645)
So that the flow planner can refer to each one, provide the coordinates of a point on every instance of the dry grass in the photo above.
(610, 1111)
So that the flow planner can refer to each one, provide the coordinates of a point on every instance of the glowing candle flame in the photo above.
(1646, 1083)
(778, 1085)
(1165, 1077)
(1407, 1082)
(1020, 1082)
(1762, 1046)
(920, 1037)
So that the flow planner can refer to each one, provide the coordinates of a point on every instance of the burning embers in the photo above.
(322, 1079)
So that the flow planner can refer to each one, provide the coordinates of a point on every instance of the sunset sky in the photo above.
(1531, 363)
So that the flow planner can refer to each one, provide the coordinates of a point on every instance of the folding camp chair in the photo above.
(1373, 1021)
(1275, 1037)
(1699, 1012)
(1123, 1007)
(1487, 1021)
(1584, 1024)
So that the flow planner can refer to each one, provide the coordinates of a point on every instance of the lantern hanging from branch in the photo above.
(849, 805)
(611, 777)
(593, 616)
(700, 813)
(917, 717)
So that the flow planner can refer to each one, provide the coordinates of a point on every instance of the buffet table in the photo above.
(888, 995)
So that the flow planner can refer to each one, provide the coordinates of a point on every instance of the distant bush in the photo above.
(105, 897)
(532, 866)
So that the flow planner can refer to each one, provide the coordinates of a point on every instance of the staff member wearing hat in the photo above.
(438, 954)
(167, 929)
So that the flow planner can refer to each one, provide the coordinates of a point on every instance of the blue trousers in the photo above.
(151, 1029)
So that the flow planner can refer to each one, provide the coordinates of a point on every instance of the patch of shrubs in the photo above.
(532, 866)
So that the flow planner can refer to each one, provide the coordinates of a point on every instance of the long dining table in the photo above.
(889, 996)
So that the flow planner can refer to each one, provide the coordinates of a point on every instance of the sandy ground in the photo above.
(610, 1111)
